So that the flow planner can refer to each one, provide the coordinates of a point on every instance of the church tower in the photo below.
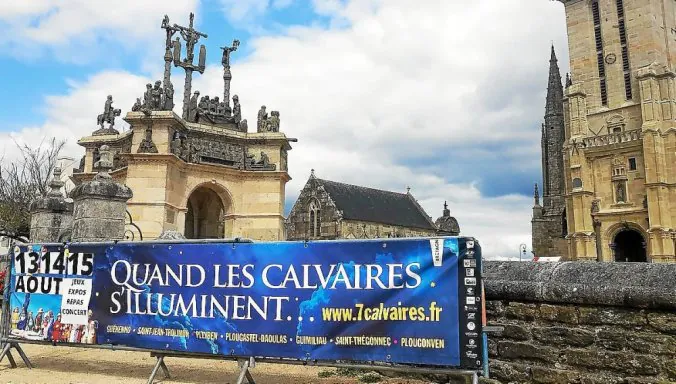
(549, 229)
(620, 130)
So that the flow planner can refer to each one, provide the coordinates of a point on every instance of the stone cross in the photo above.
(191, 36)
(227, 75)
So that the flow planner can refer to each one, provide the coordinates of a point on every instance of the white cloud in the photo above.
(420, 94)
(73, 115)
(80, 30)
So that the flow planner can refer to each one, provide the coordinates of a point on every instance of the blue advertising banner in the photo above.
(409, 301)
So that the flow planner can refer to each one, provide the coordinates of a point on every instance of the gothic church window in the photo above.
(596, 15)
(315, 219)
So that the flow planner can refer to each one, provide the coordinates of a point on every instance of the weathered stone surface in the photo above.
(614, 316)
(105, 189)
(515, 332)
(652, 343)
(553, 376)
(640, 285)
(563, 336)
(559, 313)
(494, 308)
(492, 347)
(514, 350)
(509, 372)
(627, 363)
(521, 311)
(611, 338)
(663, 322)
(670, 368)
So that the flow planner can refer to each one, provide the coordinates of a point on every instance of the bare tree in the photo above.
(23, 181)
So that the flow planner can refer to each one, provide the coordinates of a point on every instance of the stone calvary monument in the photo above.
(201, 174)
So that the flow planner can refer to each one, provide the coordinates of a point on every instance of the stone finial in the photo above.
(51, 215)
(536, 195)
(105, 162)
(56, 183)
(408, 189)
(446, 212)
(312, 173)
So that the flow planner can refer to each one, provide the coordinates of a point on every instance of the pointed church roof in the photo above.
(377, 206)
(554, 88)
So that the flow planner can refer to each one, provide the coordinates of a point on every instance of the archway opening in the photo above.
(205, 216)
(629, 246)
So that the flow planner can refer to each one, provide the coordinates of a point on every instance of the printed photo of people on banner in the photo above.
(42, 320)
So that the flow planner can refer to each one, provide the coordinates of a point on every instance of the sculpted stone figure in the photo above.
(195, 154)
(192, 108)
(620, 193)
(176, 144)
(108, 116)
(137, 105)
(147, 145)
(272, 124)
(148, 97)
(157, 95)
(262, 117)
(236, 109)
(169, 97)
(265, 160)
(243, 126)
(225, 60)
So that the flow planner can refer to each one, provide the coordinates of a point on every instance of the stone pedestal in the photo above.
(100, 205)
(52, 215)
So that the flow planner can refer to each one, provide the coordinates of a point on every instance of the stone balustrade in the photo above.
(612, 138)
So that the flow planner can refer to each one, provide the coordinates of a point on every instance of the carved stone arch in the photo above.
(628, 242)
(207, 206)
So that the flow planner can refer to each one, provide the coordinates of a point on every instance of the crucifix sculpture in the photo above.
(227, 75)
(190, 35)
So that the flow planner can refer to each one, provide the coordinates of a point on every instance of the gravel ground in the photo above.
(65, 365)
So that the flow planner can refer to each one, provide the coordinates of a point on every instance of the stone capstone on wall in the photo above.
(581, 322)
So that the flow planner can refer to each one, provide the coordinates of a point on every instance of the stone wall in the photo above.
(580, 322)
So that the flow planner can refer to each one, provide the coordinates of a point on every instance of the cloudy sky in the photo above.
(446, 97)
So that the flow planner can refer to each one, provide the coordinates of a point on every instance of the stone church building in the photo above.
(204, 174)
(609, 137)
(328, 210)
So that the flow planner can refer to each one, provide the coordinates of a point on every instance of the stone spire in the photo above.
(553, 137)
(554, 88)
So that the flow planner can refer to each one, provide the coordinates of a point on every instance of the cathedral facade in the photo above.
(617, 144)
